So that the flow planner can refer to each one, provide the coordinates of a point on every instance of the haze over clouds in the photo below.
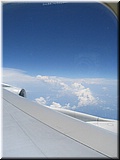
(64, 92)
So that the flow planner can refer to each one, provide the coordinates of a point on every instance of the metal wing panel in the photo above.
(24, 136)
(55, 134)
(16, 142)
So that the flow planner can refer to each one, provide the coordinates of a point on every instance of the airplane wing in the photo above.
(33, 130)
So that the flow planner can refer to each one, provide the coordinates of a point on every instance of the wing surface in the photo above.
(32, 130)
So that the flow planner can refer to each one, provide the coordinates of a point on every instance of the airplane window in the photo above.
(63, 54)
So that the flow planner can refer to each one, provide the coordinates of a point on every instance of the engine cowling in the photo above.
(16, 90)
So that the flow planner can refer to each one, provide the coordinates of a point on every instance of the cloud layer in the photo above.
(64, 92)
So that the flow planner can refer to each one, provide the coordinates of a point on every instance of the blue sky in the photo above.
(64, 55)
(70, 39)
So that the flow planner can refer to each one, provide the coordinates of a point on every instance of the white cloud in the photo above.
(55, 105)
(78, 86)
(58, 88)
(65, 86)
(41, 100)
(11, 75)
(85, 97)
(48, 79)
(58, 105)
(59, 92)
(83, 94)
(54, 81)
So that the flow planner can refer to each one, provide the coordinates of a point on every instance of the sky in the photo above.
(63, 54)
(69, 40)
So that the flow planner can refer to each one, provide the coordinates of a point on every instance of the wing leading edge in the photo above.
(32, 130)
